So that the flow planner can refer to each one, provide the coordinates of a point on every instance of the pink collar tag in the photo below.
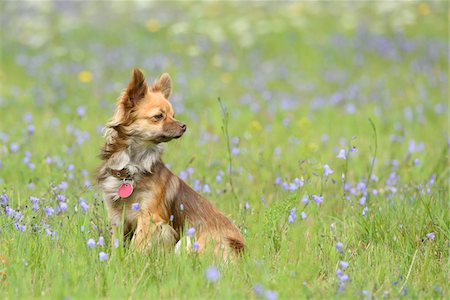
(125, 190)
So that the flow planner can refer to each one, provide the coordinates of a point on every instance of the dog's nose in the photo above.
(183, 126)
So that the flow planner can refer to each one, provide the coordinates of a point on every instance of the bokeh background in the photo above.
(299, 80)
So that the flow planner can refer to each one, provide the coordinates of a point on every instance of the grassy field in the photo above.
(337, 122)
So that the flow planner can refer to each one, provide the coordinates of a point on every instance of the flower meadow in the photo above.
(328, 147)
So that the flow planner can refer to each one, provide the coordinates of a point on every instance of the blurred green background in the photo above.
(300, 81)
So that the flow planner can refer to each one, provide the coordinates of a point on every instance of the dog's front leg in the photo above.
(141, 238)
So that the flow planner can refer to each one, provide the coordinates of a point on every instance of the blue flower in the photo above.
(103, 256)
(362, 201)
(303, 215)
(365, 210)
(343, 264)
(49, 210)
(212, 274)
(342, 154)
(318, 199)
(292, 215)
(271, 295)
(14, 147)
(63, 206)
(339, 246)
(305, 199)
(81, 111)
(206, 189)
(4, 199)
(430, 236)
(327, 170)
(246, 206)
(258, 289)
(135, 206)
(101, 241)
(190, 232)
(196, 246)
(63, 185)
(91, 243)
(84, 206)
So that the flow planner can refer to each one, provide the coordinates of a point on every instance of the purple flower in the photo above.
(271, 295)
(101, 241)
(34, 201)
(91, 243)
(362, 201)
(49, 210)
(116, 243)
(344, 278)
(303, 215)
(103, 256)
(305, 199)
(9, 211)
(278, 180)
(318, 199)
(84, 206)
(81, 111)
(258, 289)
(63, 185)
(298, 182)
(365, 210)
(327, 170)
(190, 232)
(247, 206)
(31, 129)
(430, 236)
(292, 215)
(339, 273)
(181, 207)
(235, 151)
(212, 274)
(14, 147)
(342, 154)
(135, 206)
(206, 189)
(343, 264)
(28, 117)
(4, 199)
(63, 206)
(196, 246)
(339, 246)
(353, 149)
(61, 198)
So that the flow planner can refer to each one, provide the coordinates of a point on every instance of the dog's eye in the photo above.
(158, 117)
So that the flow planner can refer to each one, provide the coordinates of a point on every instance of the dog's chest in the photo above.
(128, 207)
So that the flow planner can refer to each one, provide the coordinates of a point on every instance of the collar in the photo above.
(123, 174)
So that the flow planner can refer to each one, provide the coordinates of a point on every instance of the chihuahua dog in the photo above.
(140, 192)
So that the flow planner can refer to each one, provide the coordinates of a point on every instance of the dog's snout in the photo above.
(182, 125)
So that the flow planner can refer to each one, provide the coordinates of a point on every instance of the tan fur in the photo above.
(144, 118)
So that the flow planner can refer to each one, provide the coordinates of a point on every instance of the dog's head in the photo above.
(144, 112)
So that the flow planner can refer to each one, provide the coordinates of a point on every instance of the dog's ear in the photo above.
(165, 85)
(137, 88)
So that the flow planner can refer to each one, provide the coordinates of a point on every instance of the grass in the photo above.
(299, 82)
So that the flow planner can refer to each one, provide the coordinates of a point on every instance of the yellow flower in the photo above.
(304, 124)
(256, 126)
(153, 25)
(85, 76)
(313, 147)
(423, 9)
(226, 77)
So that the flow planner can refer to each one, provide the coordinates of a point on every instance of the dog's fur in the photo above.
(144, 119)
